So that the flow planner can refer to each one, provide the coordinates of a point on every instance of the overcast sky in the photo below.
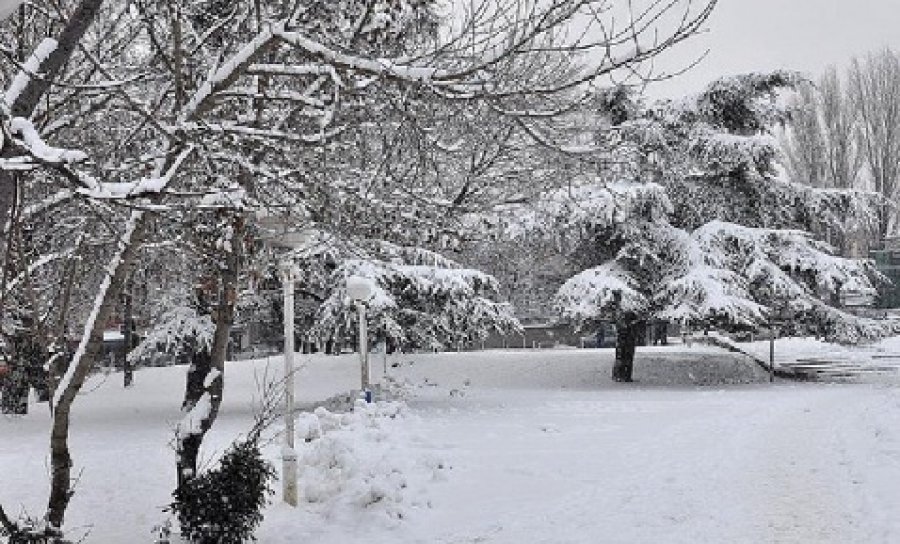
(805, 35)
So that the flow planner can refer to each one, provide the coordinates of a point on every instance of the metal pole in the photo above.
(772, 355)
(289, 455)
(363, 345)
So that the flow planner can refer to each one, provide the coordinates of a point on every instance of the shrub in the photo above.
(224, 505)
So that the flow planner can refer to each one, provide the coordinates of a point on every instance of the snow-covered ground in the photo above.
(510, 447)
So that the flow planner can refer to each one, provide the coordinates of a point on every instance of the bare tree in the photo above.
(805, 146)
(839, 128)
(875, 91)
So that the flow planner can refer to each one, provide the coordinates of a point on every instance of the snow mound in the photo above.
(389, 391)
(363, 461)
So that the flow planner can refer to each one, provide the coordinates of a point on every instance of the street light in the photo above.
(360, 289)
(274, 232)
(289, 454)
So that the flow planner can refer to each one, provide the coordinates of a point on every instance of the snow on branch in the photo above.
(422, 305)
(179, 330)
(600, 293)
(796, 253)
(28, 70)
(35, 145)
(845, 328)
(700, 289)
(425, 75)
(588, 203)
(139, 188)
(222, 76)
(413, 255)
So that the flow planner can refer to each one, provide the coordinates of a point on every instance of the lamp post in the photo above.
(289, 454)
(274, 232)
(359, 290)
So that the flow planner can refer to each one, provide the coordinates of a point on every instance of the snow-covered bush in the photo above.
(363, 461)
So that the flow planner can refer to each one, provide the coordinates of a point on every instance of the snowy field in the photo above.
(510, 447)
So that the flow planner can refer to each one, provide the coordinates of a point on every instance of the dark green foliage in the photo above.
(14, 392)
(224, 505)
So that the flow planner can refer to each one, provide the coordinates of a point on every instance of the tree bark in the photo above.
(627, 333)
(128, 333)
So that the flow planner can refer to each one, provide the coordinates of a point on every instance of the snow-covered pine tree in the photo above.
(696, 228)
(420, 299)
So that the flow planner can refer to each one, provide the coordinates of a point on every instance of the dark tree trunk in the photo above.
(627, 333)
(128, 334)
(189, 446)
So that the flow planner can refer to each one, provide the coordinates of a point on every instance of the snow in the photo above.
(509, 447)
(113, 336)
(211, 377)
(192, 422)
(587, 294)
(362, 461)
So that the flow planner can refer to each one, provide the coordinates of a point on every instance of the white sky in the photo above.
(759, 35)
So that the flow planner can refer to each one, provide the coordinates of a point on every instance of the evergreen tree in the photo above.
(696, 229)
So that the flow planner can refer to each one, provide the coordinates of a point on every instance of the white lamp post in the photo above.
(275, 233)
(359, 290)
(289, 454)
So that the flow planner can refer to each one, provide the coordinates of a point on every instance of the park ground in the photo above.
(529, 446)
